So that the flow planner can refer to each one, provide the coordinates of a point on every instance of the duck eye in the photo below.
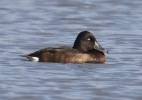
(88, 39)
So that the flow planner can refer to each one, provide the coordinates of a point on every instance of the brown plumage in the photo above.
(84, 50)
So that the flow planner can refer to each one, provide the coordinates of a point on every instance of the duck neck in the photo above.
(77, 45)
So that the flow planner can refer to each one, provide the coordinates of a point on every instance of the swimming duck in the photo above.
(85, 50)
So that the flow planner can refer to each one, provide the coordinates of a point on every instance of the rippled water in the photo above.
(29, 25)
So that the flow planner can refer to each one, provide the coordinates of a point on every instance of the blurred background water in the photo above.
(30, 25)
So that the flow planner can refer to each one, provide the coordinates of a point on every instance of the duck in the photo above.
(85, 50)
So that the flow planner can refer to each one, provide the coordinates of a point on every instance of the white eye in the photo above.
(88, 39)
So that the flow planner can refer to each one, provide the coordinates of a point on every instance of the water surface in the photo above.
(30, 25)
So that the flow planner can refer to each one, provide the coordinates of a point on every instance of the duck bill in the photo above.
(99, 48)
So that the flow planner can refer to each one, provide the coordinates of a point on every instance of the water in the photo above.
(29, 25)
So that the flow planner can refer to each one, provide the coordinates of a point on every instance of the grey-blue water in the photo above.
(30, 25)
